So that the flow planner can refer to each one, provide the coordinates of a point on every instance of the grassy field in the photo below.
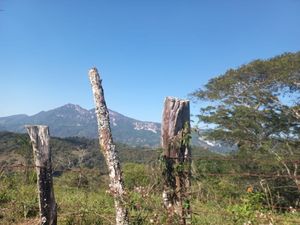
(83, 199)
(221, 192)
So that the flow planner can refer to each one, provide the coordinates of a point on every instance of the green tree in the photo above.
(256, 107)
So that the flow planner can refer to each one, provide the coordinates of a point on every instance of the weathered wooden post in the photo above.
(177, 158)
(39, 136)
(108, 148)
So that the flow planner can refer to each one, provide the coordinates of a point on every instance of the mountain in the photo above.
(73, 120)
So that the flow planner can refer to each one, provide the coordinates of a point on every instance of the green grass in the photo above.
(84, 200)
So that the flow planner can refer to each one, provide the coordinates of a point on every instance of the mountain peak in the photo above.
(69, 105)
(73, 120)
(74, 107)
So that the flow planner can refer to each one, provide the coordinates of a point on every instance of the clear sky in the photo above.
(145, 50)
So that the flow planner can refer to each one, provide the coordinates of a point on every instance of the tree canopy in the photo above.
(257, 107)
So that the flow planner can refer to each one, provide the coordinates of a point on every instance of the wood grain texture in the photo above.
(39, 136)
(177, 157)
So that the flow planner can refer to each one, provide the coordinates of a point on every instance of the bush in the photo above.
(135, 175)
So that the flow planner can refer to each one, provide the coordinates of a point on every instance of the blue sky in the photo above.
(145, 50)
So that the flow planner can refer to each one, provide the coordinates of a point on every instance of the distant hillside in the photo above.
(72, 120)
(73, 152)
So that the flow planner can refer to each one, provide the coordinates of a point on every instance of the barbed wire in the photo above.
(225, 158)
(78, 170)
(264, 175)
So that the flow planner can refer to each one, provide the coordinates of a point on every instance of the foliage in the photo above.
(68, 153)
(249, 108)
(135, 175)
(214, 200)
(248, 209)
(257, 108)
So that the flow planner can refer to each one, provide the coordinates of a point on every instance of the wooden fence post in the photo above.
(108, 148)
(177, 158)
(39, 136)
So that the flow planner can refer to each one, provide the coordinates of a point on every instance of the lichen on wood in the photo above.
(108, 148)
(39, 136)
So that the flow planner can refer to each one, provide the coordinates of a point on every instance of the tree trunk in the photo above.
(39, 136)
(108, 148)
(177, 157)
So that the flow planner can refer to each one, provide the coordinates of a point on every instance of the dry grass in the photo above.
(30, 222)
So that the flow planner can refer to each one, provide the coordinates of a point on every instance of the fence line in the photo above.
(264, 175)
(269, 176)
(196, 212)
(199, 157)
